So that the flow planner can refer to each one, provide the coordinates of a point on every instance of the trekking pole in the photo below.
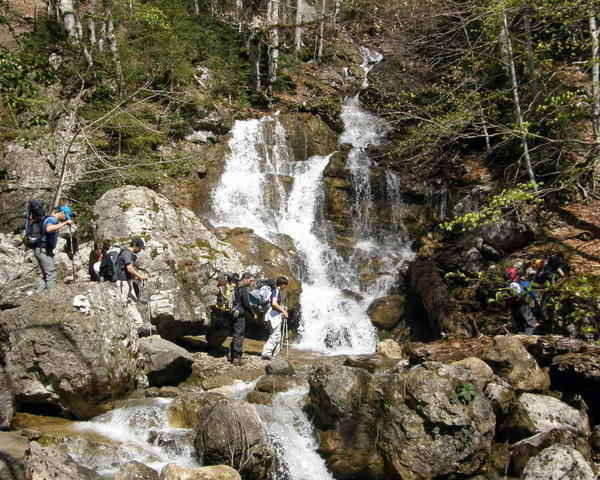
(72, 252)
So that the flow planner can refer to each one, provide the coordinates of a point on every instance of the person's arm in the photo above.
(280, 308)
(134, 272)
(55, 227)
(244, 300)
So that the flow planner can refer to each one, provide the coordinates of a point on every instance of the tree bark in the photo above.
(273, 16)
(321, 30)
(515, 89)
(595, 75)
(298, 28)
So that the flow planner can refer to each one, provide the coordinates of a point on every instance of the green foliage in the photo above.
(509, 200)
(466, 393)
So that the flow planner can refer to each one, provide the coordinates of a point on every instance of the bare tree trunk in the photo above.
(239, 6)
(69, 19)
(257, 66)
(298, 28)
(515, 88)
(196, 7)
(595, 75)
(273, 19)
(114, 47)
(321, 30)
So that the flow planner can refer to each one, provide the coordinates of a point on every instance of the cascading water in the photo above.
(138, 431)
(293, 435)
(251, 194)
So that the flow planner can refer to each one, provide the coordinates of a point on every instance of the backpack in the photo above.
(34, 225)
(260, 297)
(109, 266)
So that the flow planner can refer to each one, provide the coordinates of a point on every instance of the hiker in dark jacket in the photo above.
(127, 271)
(221, 315)
(242, 312)
(44, 250)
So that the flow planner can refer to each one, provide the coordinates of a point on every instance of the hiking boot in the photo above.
(237, 362)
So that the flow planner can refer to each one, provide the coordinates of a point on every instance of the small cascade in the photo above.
(138, 431)
(293, 436)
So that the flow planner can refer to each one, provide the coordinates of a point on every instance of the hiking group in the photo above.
(243, 299)
(526, 288)
(239, 299)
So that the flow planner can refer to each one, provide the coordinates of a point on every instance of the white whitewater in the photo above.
(252, 194)
(138, 431)
(293, 436)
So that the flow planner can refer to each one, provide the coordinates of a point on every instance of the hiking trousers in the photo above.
(273, 344)
(45, 259)
(525, 318)
(239, 331)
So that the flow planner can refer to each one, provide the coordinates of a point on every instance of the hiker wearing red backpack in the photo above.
(522, 302)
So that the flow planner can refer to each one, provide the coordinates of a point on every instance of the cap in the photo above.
(138, 242)
(69, 214)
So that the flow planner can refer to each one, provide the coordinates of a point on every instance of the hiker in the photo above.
(555, 268)
(127, 273)
(43, 250)
(221, 312)
(275, 317)
(242, 312)
(522, 302)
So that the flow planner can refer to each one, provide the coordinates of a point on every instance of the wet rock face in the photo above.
(429, 421)
(44, 463)
(386, 312)
(218, 472)
(182, 256)
(558, 463)
(166, 363)
(7, 401)
(62, 360)
(435, 424)
(13, 448)
(136, 471)
(230, 432)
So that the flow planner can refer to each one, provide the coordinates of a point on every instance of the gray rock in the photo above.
(136, 471)
(558, 463)
(501, 395)
(279, 366)
(230, 432)
(63, 359)
(539, 413)
(45, 463)
(386, 312)
(201, 136)
(13, 448)
(7, 401)
(524, 450)
(217, 472)
(390, 349)
(435, 424)
(166, 363)
(335, 392)
(510, 360)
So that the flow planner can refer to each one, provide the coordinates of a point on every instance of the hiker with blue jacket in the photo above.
(523, 302)
(44, 248)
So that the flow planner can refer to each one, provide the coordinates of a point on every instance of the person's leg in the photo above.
(237, 343)
(273, 343)
(529, 321)
(38, 257)
(47, 267)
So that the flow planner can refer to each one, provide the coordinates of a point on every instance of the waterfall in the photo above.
(252, 194)
(138, 431)
(293, 436)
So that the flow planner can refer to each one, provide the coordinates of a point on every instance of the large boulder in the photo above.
(534, 413)
(136, 471)
(165, 362)
(510, 360)
(13, 448)
(230, 432)
(386, 312)
(64, 360)
(184, 411)
(44, 463)
(182, 256)
(558, 463)
(217, 472)
(7, 400)
(425, 422)
(524, 450)
(435, 423)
